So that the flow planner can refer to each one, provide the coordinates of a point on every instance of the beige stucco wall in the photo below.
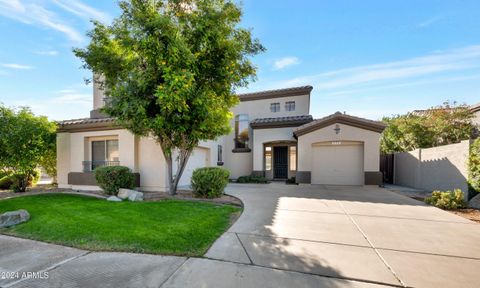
(438, 168)
(261, 136)
(63, 159)
(370, 139)
(152, 166)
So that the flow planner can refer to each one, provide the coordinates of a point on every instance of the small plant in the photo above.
(291, 180)
(447, 200)
(209, 182)
(112, 178)
(252, 179)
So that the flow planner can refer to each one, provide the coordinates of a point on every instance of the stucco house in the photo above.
(475, 109)
(273, 135)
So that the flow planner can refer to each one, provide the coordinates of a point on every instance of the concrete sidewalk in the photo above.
(288, 236)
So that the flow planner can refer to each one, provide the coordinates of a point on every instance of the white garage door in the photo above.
(338, 164)
(198, 159)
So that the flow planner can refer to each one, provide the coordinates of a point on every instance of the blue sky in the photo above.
(368, 58)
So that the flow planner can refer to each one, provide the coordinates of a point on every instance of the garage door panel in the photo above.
(338, 165)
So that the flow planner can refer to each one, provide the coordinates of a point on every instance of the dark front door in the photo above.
(280, 162)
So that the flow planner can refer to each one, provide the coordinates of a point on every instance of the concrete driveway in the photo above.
(288, 236)
(368, 234)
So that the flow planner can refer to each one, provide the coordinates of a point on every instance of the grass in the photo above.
(172, 227)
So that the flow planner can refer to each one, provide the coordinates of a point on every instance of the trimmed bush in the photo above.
(474, 167)
(209, 182)
(447, 200)
(252, 179)
(112, 178)
(291, 180)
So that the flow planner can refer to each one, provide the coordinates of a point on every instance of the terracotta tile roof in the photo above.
(84, 121)
(276, 122)
(341, 118)
(86, 124)
(475, 108)
(277, 93)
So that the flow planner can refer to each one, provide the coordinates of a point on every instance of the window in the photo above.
(268, 158)
(290, 106)
(241, 131)
(293, 158)
(274, 107)
(104, 153)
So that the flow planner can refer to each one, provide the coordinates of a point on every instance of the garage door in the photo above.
(337, 163)
(198, 159)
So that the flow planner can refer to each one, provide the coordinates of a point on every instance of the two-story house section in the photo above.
(273, 135)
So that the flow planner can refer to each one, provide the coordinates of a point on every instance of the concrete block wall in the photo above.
(438, 168)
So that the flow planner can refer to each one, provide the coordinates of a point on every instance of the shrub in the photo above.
(6, 182)
(291, 180)
(252, 179)
(209, 182)
(20, 181)
(474, 167)
(447, 200)
(112, 178)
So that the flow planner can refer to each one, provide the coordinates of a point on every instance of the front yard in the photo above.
(174, 227)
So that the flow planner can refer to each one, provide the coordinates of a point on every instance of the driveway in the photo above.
(288, 236)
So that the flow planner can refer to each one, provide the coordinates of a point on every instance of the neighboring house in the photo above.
(476, 114)
(273, 136)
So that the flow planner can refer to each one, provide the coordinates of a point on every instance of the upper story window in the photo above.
(290, 106)
(241, 131)
(274, 107)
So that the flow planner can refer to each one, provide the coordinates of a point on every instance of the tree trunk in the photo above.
(173, 180)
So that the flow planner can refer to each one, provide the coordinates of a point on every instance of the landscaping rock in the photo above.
(125, 193)
(137, 196)
(12, 218)
(114, 199)
(474, 202)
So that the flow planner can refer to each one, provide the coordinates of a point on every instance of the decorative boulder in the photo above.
(12, 218)
(114, 199)
(137, 196)
(474, 202)
(125, 193)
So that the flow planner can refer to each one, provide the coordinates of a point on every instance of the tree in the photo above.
(26, 141)
(170, 69)
(441, 125)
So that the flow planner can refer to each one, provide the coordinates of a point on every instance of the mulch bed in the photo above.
(149, 196)
(188, 195)
(469, 213)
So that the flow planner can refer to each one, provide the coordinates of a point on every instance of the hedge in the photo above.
(112, 178)
(209, 182)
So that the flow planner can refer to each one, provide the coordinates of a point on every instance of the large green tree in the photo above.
(441, 125)
(170, 69)
(26, 142)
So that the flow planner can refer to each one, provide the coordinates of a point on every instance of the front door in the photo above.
(280, 162)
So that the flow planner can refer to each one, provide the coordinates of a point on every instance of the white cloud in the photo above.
(34, 14)
(81, 9)
(47, 53)
(282, 63)
(429, 22)
(16, 66)
(434, 63)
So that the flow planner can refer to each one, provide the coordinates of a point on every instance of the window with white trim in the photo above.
(274, 107)
(290, 106)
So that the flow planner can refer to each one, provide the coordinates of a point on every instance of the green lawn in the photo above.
(165, 227)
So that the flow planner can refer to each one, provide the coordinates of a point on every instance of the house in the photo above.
(273, 135)
(475, 109)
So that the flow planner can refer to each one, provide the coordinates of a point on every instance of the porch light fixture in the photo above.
(337, 129)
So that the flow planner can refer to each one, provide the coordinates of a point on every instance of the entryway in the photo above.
(280, 162)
